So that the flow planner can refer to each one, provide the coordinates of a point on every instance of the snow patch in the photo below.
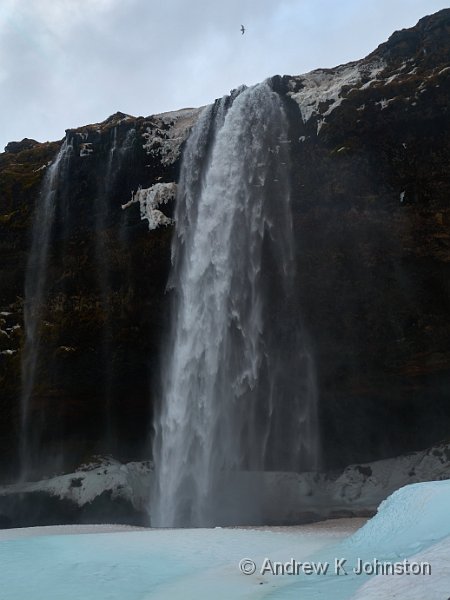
(43, 167)
(128, 481)
(359, 489)
(86, 149)
(68, 349)
(149, 199)
(384, 103)
(392, 78)
(320, 92)
(166, 132)
(412, 518)
(433, 587)
(325, 87)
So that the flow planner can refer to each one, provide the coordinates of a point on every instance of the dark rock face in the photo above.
(370, 156)
(372, 217)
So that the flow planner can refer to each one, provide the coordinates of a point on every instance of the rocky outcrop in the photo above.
(25, 144)
(370, 153)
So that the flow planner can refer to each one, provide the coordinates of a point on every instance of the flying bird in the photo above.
(242, 29)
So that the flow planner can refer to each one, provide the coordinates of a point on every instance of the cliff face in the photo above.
(370, 156)
(372, 219)
(105, 304)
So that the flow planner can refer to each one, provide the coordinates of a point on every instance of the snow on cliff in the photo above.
(326, 85)
(167, 131)
(321, 91)
(149, 199)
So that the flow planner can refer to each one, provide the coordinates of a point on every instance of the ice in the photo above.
(413, 519)
(149, 199)
(153, 564)
(434, 587)
(116, 563)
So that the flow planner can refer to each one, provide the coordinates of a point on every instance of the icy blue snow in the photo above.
(203, 563)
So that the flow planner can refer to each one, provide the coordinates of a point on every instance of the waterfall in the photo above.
(238, 391)
(116, 154)
(103, 275)
(35, 288)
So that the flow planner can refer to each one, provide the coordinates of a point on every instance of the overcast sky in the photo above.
(66, 63)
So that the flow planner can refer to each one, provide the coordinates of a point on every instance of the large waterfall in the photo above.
(238, 388)
(35, 287)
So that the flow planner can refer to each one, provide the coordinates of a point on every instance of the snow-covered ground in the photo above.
(435, 587)
(411, 528)
(150, 564)
(412, 525)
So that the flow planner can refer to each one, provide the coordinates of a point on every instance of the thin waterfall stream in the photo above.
(103, 268)
(35, 290)
(238, 387)
(116, 154)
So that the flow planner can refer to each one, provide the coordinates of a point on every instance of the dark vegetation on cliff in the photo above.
(370, 196)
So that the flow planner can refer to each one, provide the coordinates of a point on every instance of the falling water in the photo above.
(238, 387)
(103, 274)
(116, 155)
(35, 287)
